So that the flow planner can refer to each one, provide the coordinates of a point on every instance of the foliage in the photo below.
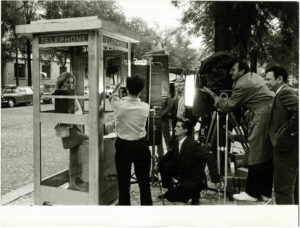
(106, 10)
(180, 54)
(148, 37)
(174, 41)
(266, 31)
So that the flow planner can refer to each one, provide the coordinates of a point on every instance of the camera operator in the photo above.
(130, 119)
(250, 91)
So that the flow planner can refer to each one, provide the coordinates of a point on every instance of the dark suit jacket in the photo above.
(284, 120)
(189, 163)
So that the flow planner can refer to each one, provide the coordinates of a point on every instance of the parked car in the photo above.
(46, 89)
(109, 89)
(12, 95)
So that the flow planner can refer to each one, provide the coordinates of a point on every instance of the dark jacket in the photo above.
(284, 120)
(189, 162)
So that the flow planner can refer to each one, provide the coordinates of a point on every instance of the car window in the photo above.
(22, 90)
(29, 91)
(10, 90)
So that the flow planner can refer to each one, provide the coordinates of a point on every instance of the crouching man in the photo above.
(185, 161)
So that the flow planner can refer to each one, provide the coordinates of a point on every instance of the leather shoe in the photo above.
(195, 198)
(243, 196)
(195, 201)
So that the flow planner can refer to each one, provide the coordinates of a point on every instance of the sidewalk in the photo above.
(207, 198)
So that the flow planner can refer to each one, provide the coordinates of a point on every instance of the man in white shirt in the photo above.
(130, 120)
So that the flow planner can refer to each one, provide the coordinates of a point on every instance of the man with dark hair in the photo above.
(130, 120)
(284, 136)
(135, 85)
(185, 161)
(250, 91)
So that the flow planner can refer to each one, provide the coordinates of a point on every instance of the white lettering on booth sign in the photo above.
(115, 42)
(64, 39)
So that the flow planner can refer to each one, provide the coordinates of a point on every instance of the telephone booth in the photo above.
(78, 46)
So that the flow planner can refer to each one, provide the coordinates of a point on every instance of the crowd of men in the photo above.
(273, 140)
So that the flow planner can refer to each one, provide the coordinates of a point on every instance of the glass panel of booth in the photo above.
(63, 109)
(64, 105)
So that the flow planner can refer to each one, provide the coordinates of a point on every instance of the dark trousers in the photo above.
(286, 177)
(177, 193)
(136, 152)
(260, 179)
(168, 170)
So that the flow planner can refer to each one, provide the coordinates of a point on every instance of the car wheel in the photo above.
(11, 102)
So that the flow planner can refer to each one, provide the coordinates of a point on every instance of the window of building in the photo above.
(46, 69)
(21, 70)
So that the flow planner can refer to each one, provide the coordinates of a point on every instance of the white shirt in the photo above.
(279, 89)
(180, 143)
(130, 117)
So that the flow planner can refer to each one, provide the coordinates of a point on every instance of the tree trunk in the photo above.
(2, 75)
(253, 61)
(28, 46)
(17, 66)
(222, 34)
(242, 51)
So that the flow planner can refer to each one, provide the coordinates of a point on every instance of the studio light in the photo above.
(189, 90)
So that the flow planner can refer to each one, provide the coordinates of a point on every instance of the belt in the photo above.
(138, 140)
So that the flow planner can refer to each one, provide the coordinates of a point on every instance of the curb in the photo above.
(15, 194)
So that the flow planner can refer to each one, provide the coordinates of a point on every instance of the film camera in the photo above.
(214, 74)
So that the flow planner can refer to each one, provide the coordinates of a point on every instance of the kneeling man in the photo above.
(185, 161)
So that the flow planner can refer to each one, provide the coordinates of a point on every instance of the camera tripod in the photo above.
(214, 129)
(153, 156)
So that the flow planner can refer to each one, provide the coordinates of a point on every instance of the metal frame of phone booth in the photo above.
(97, 35)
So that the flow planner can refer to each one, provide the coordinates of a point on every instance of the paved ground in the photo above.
(17, 148)
(17, 157)
(207, 198)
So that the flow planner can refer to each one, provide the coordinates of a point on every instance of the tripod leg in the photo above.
(211, 127)
(160, 188)
(226, 159)
(153, 147)
(218, 144)
(218, 151)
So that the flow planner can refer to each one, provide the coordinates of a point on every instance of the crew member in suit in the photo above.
(250, 91)
(284, 136)
(185, 161)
